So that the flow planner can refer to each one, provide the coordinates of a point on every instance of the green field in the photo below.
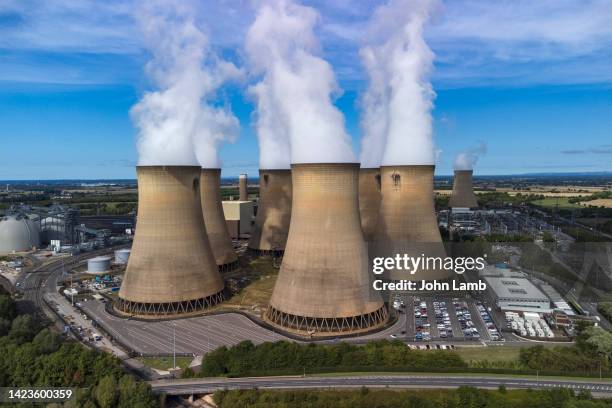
(492, 353)
(552, 202)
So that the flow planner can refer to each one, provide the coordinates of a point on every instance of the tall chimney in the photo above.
(463, 191)
(171, 269)
(242, 187)
(407, 222)
(323, 284)
(212, 209)
(369, 200)
(271, 228)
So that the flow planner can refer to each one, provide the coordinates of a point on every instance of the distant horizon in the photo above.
(476, 175)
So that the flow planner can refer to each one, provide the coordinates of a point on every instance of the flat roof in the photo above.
(508, 287)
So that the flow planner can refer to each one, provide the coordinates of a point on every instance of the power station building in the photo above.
(212, 211)
(369, 200)
(271, 229)
(407, 222)
(171, 269)
(323, 286)
(238, 217)
(463, 191)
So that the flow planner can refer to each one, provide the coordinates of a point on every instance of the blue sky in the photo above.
(533, 80)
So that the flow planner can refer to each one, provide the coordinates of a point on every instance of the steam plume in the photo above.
(467, 160)
(398, 102)
(177, 124)
(294, 96)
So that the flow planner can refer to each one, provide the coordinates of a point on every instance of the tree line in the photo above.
(463, 397)
(35, 356)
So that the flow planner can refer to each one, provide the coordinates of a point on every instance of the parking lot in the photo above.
(444, 319)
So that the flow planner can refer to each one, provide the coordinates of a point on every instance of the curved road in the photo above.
(208, 385)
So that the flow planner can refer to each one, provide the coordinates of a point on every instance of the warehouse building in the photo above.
(517, 294)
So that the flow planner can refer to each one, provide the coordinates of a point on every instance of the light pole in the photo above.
(173, 345)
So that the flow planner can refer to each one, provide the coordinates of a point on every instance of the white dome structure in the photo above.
(18, 233)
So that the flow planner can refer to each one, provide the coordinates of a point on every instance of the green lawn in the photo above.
(552, 202)
(165, 363)
(491, 353)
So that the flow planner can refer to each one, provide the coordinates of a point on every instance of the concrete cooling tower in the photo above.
(271, 229)
(369, 200)
(242, 187)
(407, 222)
(212, 209)
(171, 268)
(323, 284)
(463, 190)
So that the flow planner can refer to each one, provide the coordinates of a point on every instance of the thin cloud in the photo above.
(601, 149)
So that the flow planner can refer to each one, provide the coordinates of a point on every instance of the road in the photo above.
(208, 385)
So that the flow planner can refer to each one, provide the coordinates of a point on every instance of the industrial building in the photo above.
(171, 268)
(18, 233)
(216, 227)
(369, 200)
(407, 222)
(271, 229)
(238, 217)
(517, 294)
(323, 283)
(463, 191)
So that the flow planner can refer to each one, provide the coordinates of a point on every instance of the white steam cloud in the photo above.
(294, 96)
(396, 120)
(468, 159)
(177, 123)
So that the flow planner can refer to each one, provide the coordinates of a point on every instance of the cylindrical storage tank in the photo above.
(122, 256)
(269, 235)
(212, 209)
(463, 191)
(171, 269)
(99, 265)
(323, 284)
(242, 187)
(18, 233)
(369, 200)
(407, 222)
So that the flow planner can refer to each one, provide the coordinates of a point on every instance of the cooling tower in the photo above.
(407, 222)
(269, 234)
(323, 283)
(171, 268)
(369, 200)
(212, 209)
(463, 191)
(242, 187)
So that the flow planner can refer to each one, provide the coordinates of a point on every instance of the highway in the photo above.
(207, 385)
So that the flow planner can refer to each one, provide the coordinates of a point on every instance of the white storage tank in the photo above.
(99, 265)
(122, 256)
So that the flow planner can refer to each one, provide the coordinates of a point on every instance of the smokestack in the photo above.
(212, 210)
(242, 187)
(323, 283)
(171, 269)
(463, 191)
(369, 200)
(271, 228)
(407, 222)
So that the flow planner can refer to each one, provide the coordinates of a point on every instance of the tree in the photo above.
(105, 392)
(23, 329)
(8, 309)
